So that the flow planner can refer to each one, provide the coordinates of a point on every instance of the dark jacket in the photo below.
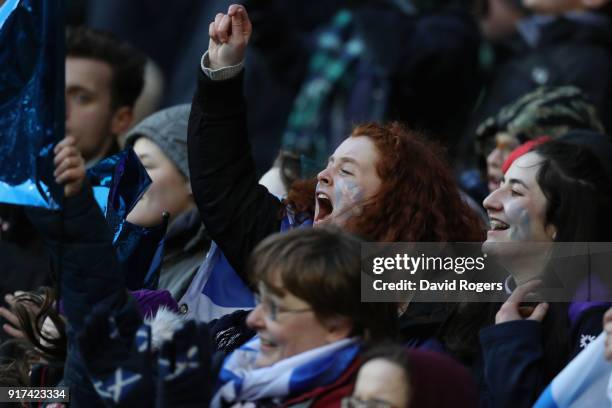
(105, 327)
(96, 303)
(24, 262)
(237, 211)
(513, 369)
(420, 325)
(80, 245)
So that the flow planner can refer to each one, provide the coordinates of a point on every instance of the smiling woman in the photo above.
(517, 213)
(561, 191)
(311, 324)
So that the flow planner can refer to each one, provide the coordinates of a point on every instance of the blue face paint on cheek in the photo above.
(520, 222)
(348, 197)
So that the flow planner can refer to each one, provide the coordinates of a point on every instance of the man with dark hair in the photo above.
(104, 77)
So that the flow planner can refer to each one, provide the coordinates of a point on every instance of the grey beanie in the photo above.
(168, 130)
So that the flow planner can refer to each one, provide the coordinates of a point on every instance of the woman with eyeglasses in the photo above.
(311, 324)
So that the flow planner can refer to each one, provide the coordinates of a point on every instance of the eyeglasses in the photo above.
(271, 309)
(356, 402)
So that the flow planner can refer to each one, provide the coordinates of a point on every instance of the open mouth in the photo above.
(265, 343)
(497, 225)
(325, 207)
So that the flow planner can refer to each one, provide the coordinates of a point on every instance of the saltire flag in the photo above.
(584, 382)
(217, 289)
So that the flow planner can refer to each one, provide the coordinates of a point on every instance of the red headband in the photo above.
(523, 149)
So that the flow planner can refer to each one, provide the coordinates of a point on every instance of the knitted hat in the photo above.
(432, 372)
(551, 111)
(168, 130)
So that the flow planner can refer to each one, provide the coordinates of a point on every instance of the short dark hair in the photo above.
(322, 266)
(127, 63)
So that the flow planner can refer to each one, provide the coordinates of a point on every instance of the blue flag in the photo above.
(31, 100)
(584, 382)
(119, 182)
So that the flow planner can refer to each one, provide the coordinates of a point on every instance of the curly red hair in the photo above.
(419, 199)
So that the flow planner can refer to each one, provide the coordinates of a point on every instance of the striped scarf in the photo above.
(241, 381)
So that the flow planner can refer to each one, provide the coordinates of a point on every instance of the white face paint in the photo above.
(348, 181)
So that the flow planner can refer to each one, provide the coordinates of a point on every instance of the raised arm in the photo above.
(237, 211)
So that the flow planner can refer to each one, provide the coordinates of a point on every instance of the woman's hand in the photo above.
(69, 166)
(229, 36)
(512, 309)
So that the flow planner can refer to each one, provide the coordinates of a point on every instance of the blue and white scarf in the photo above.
(241, 381)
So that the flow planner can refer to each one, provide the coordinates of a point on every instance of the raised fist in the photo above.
(229, 36)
